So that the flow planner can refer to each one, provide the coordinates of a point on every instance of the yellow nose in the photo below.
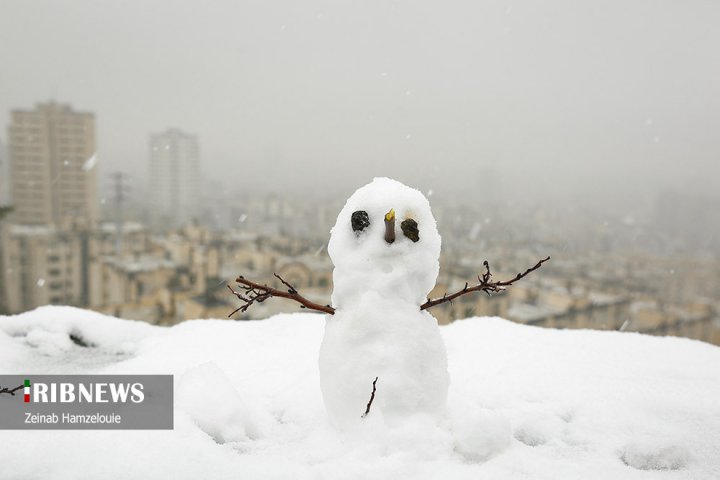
(390, 226)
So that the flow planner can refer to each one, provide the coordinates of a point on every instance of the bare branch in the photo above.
(11, 391)
(372, 397)
(252, 292)
(291, 289)
(484, 285)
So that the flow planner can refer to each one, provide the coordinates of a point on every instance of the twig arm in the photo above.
(484, 285)
(252, 292)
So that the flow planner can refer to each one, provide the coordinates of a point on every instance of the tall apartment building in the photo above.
(53, 181)
(4, 177)
(174, 178)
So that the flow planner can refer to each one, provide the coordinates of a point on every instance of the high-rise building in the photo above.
(5, 197)
(174, 178)
(52, 151)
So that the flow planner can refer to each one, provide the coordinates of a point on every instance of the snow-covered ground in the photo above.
(524, 402)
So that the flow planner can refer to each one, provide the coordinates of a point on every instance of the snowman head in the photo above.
(385, 243)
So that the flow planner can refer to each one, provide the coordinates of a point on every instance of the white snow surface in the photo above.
(378, 330)
(524, 402)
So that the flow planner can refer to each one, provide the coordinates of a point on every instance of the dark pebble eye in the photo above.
(359, 221)
(410, 229)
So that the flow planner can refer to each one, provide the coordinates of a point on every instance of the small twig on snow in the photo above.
(372, 397)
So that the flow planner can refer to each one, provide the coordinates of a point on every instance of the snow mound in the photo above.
(655, 456)
(479, 433)
(524, 402)
(219, 411)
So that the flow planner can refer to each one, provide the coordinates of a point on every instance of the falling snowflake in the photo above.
(90, 163)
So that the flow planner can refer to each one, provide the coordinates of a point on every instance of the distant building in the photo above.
(43, 265)
(51, 151)
(5, 197)
(174, 178)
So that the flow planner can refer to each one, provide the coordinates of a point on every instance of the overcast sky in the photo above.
(613, 98)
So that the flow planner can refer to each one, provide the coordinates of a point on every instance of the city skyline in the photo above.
(218, 205)
(490, 180)
(609, 272)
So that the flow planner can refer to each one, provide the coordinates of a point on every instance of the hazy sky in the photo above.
(614, 98)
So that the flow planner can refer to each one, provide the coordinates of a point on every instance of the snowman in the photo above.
(381, 347)
(385, 247)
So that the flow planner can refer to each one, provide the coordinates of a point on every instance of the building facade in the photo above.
(174, 178)
(5, 197)
(51, 150)
(43, 265)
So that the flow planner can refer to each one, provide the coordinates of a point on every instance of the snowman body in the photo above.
(378, 330)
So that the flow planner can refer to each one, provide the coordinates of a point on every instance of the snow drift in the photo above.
(524, 402)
